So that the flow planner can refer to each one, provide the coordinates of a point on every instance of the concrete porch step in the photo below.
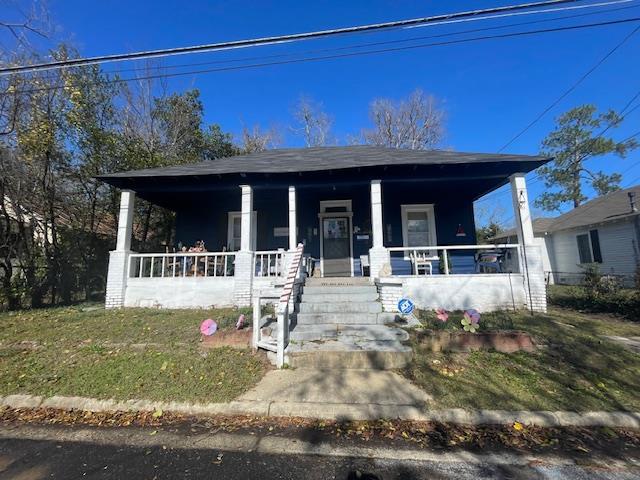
(344, 318)
(340, 307)
(339, 295)
(334, 281)
(333, 289)
(373, 332)
(340, 355)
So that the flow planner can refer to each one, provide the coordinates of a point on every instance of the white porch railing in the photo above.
(282, 311)
(502, 258)
(174, 265)
(269, 263)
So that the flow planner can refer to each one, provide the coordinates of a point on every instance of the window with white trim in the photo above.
(418, 225)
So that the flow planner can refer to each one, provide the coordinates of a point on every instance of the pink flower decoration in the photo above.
(240, 324)
(208, 327)
(442, 314)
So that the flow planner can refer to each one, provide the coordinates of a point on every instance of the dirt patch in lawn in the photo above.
(228, 338)
(500, 341)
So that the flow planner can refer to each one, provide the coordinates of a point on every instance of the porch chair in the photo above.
(364, 263)
(489, 262)
(421, 261)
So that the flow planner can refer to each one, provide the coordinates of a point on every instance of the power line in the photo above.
(276, 39)
(570, 89)
(344, 55)
(406, 40)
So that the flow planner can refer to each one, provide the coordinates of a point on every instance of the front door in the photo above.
(336, 246)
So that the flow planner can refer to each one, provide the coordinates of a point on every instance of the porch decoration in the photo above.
(460, 231)
(240, 322)
(442, 315)
(208, 327)
(470, 321)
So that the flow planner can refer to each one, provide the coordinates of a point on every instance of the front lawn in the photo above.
(576, 370)
(121, 354)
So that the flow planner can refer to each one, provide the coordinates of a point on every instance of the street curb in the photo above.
(336, 411)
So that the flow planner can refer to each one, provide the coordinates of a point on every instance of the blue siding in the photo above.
(205, 215)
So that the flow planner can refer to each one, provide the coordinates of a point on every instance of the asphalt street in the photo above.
(53, 455)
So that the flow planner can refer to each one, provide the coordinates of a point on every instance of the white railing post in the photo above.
(445, 259)
(257, 314)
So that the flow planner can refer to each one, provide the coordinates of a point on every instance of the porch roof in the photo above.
(316, 159)
(471, 174)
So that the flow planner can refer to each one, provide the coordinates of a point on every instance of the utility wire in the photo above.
(344, 55)
(276, 39)
(570, 89)
(623, 114)
(405, 40)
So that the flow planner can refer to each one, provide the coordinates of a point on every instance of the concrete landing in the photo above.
(338, 346)
(360, 388)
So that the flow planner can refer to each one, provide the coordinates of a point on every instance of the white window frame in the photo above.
(419, 207)
(588, 235)
(254, 230)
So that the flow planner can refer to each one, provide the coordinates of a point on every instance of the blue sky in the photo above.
(490, 89)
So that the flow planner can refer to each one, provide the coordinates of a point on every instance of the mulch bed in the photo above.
(586, 442)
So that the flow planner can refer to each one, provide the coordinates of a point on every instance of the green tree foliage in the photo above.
(58, 131)
(487, 232)
(579, 136)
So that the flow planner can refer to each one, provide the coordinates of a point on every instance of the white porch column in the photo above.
(378, 254)
(293, 224)
(530, 252)
(119, 258)
(244, 268)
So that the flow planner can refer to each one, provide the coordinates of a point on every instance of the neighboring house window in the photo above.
(595, 246)
(234, 231)
(418, 225)
(589, 247)
(584, 250)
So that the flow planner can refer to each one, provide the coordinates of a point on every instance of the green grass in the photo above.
(578, 370)
(90, 351)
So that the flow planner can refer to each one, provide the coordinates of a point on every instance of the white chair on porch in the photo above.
(422, 263)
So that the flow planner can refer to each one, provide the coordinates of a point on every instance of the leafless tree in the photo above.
(312, 123)
(22, 25)
(258, 140)
(416, 123)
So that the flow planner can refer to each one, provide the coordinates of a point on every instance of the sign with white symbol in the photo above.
(405, 306)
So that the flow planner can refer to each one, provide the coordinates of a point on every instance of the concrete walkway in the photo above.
(343, 392)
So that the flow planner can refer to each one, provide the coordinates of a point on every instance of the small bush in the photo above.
(606, 296)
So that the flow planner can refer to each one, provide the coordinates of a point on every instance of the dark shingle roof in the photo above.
(540, 225)
(613, 206)
(293, 160)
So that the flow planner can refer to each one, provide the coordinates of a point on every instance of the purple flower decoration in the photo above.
(471, 320)
(208, 327)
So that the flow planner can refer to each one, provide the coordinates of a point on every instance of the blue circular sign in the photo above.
(405, 306)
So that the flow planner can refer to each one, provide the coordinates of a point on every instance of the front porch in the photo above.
(410, 241)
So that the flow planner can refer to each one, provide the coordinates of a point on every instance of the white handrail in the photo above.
(282, 310)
